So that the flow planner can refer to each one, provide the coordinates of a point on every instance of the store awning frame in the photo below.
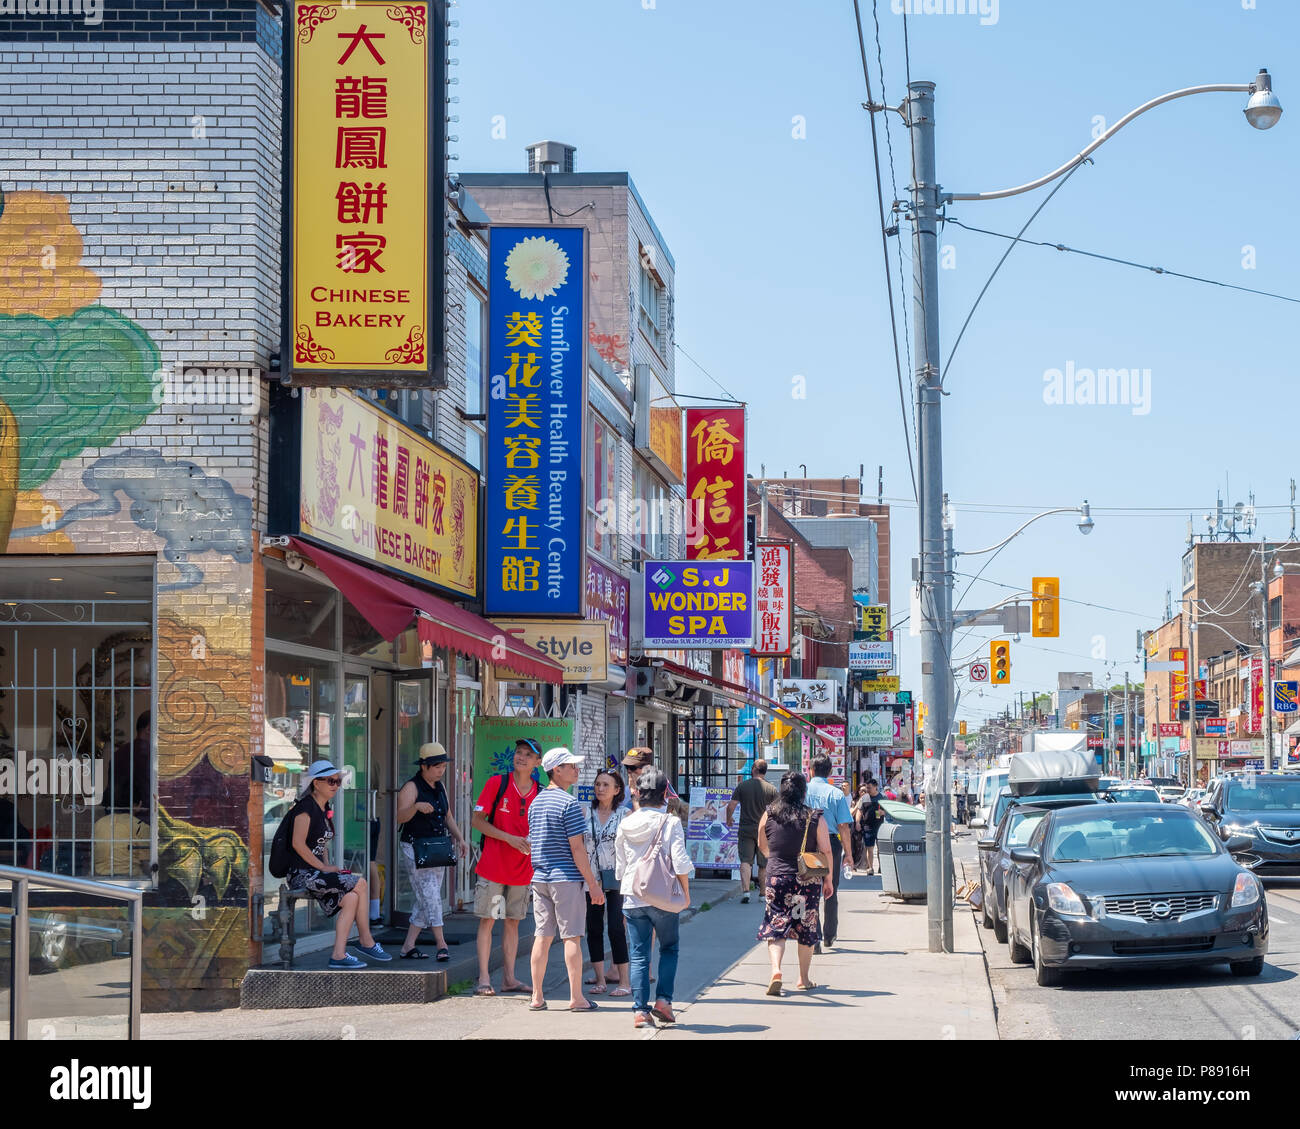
(389, 605)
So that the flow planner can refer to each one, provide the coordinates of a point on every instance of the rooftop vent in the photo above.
(550, 156)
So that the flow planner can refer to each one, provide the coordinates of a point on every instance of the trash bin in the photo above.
(902, 859)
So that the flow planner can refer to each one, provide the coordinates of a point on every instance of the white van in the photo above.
(992, 781)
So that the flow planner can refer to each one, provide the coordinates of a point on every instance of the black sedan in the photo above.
(1266, 810)
(1132, 885)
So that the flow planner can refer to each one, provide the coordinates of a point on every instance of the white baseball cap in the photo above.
(556, 757)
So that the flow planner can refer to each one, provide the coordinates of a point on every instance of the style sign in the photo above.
(580, 646)
(699, 604)
(374, 488)
(609, 597)
(773, 599)
(715, 484)
(874, 620)
(870, 727)
(871, 655)
(533, 544)
(805, 695)
(359, 159)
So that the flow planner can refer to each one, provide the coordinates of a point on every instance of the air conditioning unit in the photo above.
(645, 681)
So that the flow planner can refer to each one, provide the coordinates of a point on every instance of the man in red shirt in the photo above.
(505, 868)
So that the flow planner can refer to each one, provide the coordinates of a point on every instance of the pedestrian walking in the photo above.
(752, 796)
(423, 811)
(557, 828)
(789, 828)
(638, 758)
(505, 871)
(604, 820)
(869, 817)
(649, 839)
(338, 893)
(824, 796)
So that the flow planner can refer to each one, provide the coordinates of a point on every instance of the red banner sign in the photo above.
(773, 599)
(715, 484)
(1256, 695)
(1171, 729)
(1094, 740)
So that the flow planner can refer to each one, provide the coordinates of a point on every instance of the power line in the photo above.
(884, 246)
(706, 372)
(1127, 262)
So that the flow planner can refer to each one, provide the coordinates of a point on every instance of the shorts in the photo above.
(559, 906)
(749, 848)
(326, 890)
(497, 900)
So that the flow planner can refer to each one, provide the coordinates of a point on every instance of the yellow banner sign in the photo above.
(875, 620)
(360, 204)
(885, 684)
(581, 646)
(378, 490)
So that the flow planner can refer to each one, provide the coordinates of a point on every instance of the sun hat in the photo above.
(556, 757)
(639, 757)
(431, 753)
(316, 770)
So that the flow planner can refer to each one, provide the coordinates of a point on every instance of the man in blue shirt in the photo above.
(824, 796)
(557, 824)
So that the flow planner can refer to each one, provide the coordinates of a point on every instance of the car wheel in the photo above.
(51, 947)
(1046, 977)
(999, 929)
(1015, 950)
(984, 903)
(1248, 967)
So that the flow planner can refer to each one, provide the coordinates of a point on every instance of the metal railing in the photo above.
(21, 881)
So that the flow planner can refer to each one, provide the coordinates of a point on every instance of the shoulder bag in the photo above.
(433, 850)
(654, 882)
(813, 866)
(605, 874)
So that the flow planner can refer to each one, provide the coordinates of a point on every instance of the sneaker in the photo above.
(348, 963)
(376, 923)
(744, 899)
(375, 952)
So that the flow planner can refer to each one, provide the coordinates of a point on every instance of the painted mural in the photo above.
(76, 379)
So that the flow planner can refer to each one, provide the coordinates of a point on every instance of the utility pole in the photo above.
(935, 648)
(1128, 728)
(1268, 666)
(1191, 692)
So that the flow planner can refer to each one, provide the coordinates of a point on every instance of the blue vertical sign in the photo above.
(534, 538)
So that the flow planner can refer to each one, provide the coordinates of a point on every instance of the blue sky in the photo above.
(779, 270)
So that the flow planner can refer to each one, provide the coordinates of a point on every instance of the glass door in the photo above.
(412, 726)
(355, 807)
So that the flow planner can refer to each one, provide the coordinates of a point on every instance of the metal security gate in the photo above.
(76, 695)
(712, 751)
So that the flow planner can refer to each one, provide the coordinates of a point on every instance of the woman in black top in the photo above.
(792, 905)
(339, 893)
(423, 810)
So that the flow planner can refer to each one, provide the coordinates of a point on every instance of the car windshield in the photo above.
(1114, 835)
(1134, 795)
(992, 783)
(1263, 795)
(1021, 827)
(1004, 801)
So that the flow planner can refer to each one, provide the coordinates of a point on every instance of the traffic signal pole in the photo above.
(934, 581)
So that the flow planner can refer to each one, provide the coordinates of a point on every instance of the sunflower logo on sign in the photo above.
(536, 267)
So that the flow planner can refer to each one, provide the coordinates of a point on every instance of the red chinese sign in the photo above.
(1256, 695)
(715, 484)
(1171, 729)
(773, 599)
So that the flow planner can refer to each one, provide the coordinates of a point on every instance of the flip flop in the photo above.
(481, 990)
(517, 990)
(621, 992)
(598, 990)
(537, 1007)
(444, 955)
(774, 988)
(413, 954)
(806, 987)
(591, 1006)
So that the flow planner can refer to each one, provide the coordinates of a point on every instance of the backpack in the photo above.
(282, 852)
(501, 791)
(653, 881)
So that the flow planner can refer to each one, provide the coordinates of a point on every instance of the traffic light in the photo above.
(961, 729)
(1047, 607)
(999, 662)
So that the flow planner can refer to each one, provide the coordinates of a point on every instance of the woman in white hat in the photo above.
(423, 811)
(339, 893)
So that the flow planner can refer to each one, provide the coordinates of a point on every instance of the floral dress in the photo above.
(326, 890)
(793, 908)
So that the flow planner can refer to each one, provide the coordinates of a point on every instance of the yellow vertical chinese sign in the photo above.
(360, 192)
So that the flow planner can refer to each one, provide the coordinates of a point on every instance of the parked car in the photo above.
(1132, 885)
(1132, 792)
(991, 783)
(1191, 799)
(1265, 809)
(1171, 793)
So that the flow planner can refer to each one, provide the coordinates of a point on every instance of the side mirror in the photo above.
(976, 823)
(1235, 844)
(1209, 810)
(1024, 854)
(987, 844)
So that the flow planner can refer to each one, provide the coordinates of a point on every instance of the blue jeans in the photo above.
(642, 921)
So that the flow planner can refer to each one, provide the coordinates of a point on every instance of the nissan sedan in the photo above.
(1132, 885)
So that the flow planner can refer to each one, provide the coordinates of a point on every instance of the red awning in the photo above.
(389, 604)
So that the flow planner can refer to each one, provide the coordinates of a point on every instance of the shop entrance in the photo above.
(712, 751)
(410, 722)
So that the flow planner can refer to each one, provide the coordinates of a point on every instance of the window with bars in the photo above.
(652, 305)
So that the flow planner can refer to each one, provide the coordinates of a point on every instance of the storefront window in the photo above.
(300, 610)
(76, 690)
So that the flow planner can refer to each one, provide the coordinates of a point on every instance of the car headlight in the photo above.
(1245, 891)
(1062, 899)
(1240, 828)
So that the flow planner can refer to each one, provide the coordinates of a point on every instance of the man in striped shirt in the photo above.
(556, 827)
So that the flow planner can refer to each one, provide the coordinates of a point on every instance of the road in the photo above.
(1207, 1003)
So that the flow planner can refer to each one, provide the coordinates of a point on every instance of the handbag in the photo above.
(433, 851)
(813, 866)
(606, 874)
(653, 881)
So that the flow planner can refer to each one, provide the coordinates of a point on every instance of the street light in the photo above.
(1085, 520)
(935, 576)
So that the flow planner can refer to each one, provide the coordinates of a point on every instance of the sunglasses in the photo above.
(335, 780)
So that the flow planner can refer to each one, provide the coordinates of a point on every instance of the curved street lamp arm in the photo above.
(1017, 533)
(1225, 88)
